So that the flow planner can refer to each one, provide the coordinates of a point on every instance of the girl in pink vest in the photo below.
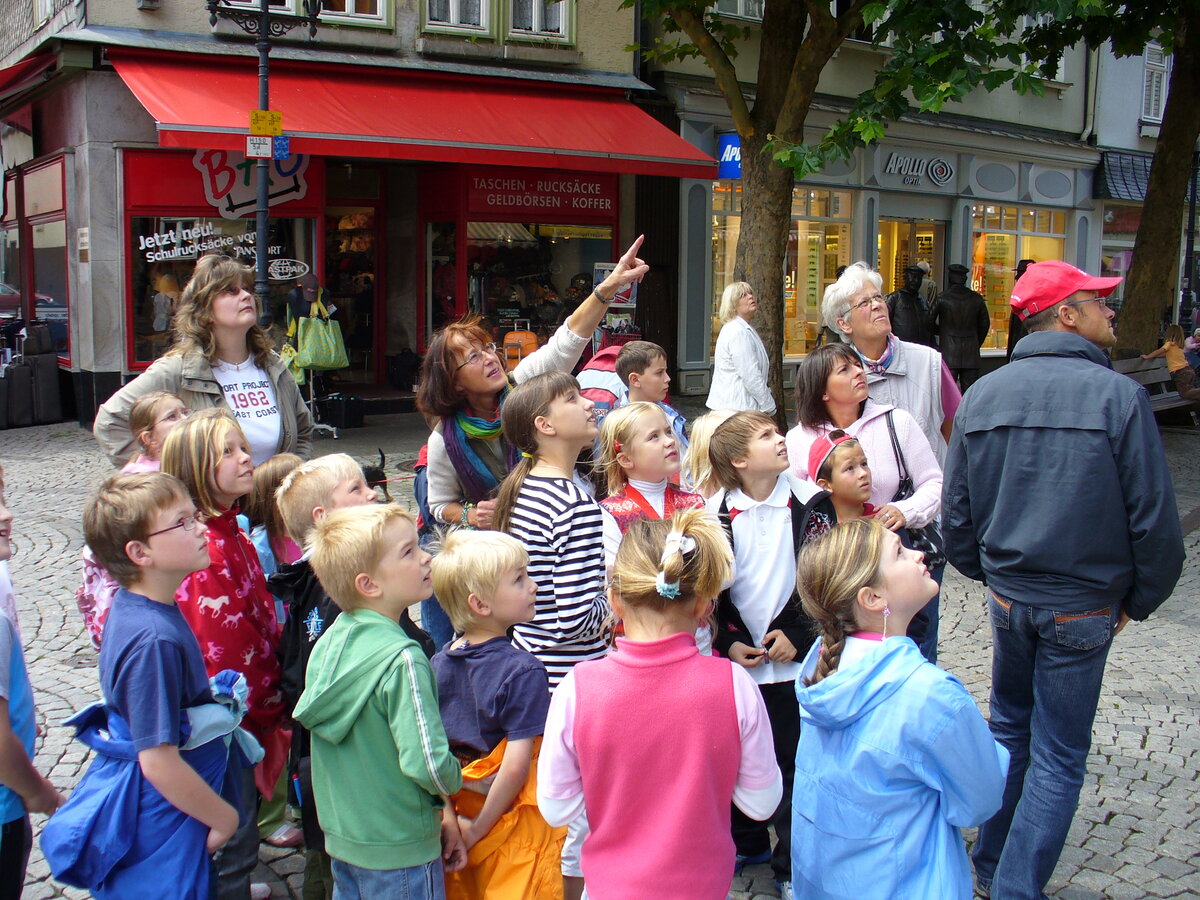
(655, 741)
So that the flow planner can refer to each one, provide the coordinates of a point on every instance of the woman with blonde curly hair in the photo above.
(221, 358)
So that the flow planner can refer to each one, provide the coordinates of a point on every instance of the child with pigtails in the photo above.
(660, 820)
(894, 756)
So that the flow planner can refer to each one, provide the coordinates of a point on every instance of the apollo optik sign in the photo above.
(729, 155)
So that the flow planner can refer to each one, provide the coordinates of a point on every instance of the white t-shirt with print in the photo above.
(251, 397)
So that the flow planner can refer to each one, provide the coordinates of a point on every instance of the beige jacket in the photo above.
(191, 378)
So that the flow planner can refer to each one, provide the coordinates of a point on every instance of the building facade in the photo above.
(442, 159)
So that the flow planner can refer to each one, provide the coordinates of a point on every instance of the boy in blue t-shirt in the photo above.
(642, 366)
(22, 788)
(144, 529)
(494, 698)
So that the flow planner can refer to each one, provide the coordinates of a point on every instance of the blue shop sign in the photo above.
(729, 155)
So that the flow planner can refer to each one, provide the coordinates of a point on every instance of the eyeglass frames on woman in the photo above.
(475, 358)
(187, 523)
(863, 304)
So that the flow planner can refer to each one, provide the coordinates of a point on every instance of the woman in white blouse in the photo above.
(740, 364)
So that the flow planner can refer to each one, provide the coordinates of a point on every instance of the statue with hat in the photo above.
(960, 321)
(908, 311)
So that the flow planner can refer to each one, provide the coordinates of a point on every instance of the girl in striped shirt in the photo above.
(545, 505)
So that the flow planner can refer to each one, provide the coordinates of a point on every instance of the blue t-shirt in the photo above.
(150, 668)
(488, 692)
(14, 687)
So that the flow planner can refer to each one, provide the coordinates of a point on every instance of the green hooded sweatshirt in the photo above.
(380, 759)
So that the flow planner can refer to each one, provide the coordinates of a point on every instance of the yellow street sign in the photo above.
(266, 121)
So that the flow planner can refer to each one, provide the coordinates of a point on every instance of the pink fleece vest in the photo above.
(659, 748)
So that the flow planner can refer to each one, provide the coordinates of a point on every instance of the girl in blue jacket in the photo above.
(894, 756)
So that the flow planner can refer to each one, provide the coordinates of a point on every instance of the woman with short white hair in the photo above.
(740, 363)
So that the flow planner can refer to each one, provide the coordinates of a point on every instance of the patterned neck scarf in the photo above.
(879, 366)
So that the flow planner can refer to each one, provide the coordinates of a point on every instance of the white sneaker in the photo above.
(785, 889)
(260, 891)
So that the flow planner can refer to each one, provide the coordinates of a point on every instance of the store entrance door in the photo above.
(351, 266)
(905, 242)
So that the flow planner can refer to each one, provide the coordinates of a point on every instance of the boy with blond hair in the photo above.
(494, 698)
(145, 531)
(303, 498)
(381, 764)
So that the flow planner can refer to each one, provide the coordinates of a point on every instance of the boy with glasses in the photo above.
(148, 808)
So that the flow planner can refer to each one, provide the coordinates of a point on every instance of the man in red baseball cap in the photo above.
(1057, 496)
(1057, 291)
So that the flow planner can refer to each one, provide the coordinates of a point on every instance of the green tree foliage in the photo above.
(936, 53)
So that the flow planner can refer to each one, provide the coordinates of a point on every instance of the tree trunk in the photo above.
(1156, 251)
(762, 248)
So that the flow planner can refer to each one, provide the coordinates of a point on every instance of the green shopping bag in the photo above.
(288, 351)
(319, 343)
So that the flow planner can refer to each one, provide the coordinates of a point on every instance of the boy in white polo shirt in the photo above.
(768, 516)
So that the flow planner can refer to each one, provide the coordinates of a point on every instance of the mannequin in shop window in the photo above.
(906, 307)
(961, 323)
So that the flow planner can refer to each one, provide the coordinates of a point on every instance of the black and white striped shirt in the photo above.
(562, 529)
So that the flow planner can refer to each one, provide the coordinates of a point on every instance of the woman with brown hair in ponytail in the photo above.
(894, 756)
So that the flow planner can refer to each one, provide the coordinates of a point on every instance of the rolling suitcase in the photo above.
(47, 400)
(18, 387)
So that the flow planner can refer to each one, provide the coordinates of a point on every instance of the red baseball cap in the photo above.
(822, 447)
(1050, 282)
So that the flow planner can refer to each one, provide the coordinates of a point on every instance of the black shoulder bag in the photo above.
(927, 539)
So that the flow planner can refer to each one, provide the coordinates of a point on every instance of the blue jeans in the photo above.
(1047, 668)
(425, 882)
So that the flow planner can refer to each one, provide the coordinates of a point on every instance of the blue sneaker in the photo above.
(740, 862)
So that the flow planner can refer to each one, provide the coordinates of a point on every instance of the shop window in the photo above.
(1003, 236)
(530, 277)
(351, 261)
(10, 255)
(441, 284)
(819, 242)
(1154, 90)
(50, 281)
(537, 18)
(164, 250)
(742, 9)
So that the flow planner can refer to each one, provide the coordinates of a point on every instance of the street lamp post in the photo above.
(264, 24)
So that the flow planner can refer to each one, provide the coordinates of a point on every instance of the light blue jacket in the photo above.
(893, 759)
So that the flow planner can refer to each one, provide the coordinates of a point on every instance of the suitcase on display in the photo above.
(341, 412)
(517, 346)
(18, 388)
(47, 401)
(37, 340)
(3, 405)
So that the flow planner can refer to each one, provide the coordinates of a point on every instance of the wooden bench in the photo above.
(1165, 401)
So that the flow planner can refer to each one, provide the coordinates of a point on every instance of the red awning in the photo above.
(20, 75)
(344, 110)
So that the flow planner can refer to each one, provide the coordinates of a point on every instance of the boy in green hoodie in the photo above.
(382, 768)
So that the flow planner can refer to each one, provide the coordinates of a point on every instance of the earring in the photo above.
(886, 612)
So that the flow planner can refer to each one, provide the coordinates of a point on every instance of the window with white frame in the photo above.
(472, 15)
(1154, 90)
(538, 18)
(743, 9)
(1043, 20)
(356, 12)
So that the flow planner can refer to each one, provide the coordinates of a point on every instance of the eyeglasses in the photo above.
(863, 304)
(175, 415)
(475, 358)
(1099, 300)
(187, 523)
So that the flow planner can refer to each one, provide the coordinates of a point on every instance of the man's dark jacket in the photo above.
(1056, 489)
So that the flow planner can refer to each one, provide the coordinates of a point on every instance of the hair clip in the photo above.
(617, 446)
(668, 589)
(677, 540)
(525, 455)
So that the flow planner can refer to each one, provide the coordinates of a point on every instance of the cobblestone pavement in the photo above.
(1137, 832)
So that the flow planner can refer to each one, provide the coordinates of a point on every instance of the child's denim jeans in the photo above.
(414, 883)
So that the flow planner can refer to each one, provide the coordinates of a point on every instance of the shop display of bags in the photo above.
(319, 343)
(18, 388)
(47, 401)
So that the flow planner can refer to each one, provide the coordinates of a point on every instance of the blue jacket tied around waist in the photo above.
(117, 836)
